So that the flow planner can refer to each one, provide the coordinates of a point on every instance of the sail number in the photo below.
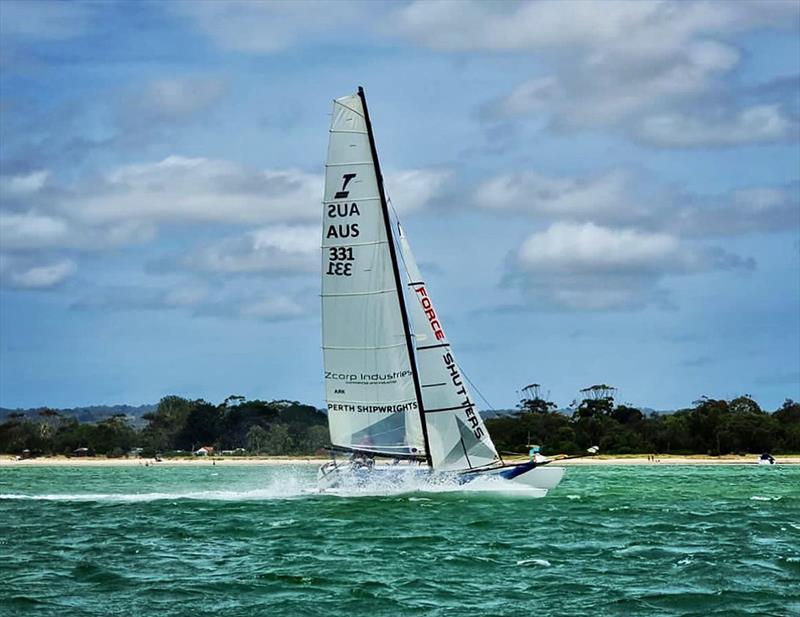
(340, 260)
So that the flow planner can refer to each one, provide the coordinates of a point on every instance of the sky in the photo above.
(597, 192)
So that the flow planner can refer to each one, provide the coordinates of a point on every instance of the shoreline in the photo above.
(7, 460)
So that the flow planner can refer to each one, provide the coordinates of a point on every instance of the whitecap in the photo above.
(286, 523)
(282, 486)
(534, 562)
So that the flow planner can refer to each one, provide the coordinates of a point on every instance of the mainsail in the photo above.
(369, 372)
(457, 436)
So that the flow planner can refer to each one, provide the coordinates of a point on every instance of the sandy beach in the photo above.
(8, 460)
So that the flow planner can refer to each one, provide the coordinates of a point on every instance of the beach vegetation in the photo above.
(711, 426)
(179, 426)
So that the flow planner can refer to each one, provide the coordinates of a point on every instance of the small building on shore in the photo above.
(204, 451)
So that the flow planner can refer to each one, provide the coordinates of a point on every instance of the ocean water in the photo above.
(226, 540)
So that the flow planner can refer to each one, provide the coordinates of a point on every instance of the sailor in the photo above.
(535, 454)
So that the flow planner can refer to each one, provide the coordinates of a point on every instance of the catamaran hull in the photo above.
(535, 480)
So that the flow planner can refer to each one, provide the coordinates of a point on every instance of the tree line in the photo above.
(710, 426)
(176, 425)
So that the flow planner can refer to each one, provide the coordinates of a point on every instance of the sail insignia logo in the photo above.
(346, 178)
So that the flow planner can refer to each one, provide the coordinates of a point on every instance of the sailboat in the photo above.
(394, 390)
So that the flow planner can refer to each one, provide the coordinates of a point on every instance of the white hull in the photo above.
(534, 481)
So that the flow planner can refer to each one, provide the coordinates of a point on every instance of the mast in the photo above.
(397, 280)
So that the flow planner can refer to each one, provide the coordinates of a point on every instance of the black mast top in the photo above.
(397, 280)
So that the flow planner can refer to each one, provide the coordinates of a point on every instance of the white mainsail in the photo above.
(457, 436)
(369, 383)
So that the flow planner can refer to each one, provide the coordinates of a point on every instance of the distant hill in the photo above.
(91, 414)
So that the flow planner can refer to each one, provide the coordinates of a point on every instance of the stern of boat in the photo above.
(529, 475)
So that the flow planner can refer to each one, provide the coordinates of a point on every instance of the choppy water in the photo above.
(258, 541)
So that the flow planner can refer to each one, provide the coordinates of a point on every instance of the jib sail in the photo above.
(369, 383)
(457, 436)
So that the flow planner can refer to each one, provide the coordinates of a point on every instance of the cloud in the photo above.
(613, 239)
(31, 230)
(271, 26)
(126, 297)
(413, 189)
(279, 249)
(619, 197)
(274, 308)
(26, 273)
(588, 267)
(570, 197)
(225, 300)
(128, 204)
(647, 27)
(22, 184)
(112, 124)
(609, 88)
(173, 99)
(589, 248)
(756, 124)
(741, 211)
(44, 19)
(616, 64)
(197, 190)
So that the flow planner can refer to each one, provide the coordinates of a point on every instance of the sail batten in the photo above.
(368, 347)
(377, 292)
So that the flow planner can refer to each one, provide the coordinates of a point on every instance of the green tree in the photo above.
(533, 401)
(278, 440)
(598, 400)
(256, 439)
(166, 423)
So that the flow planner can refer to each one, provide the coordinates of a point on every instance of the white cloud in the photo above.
(22, 184)
(26, 274)
(128, 204)
(615, 62)
(197, 190)
(618, 197)
(413, 189)
(588, 267)
(570, 247)
(742, 211)
(647, 27)
(755, 124)
(568, 197)
(279, 248)
(610, 86)
(32, 230)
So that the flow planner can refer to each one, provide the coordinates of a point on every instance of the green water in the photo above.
(258, 541)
